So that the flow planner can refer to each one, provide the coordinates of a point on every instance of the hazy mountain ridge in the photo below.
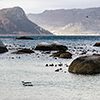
(72, 21)
(15, 21)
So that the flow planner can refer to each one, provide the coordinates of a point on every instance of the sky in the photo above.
(38, 6)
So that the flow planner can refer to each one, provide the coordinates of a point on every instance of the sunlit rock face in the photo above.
(69, 22)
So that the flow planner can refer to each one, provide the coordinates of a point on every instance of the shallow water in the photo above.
(47, 84)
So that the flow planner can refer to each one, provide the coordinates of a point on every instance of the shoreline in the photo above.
(47, 35)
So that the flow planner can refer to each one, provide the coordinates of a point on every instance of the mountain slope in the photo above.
(14, 20)
(72, 21)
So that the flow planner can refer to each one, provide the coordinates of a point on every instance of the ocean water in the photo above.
(47, 84)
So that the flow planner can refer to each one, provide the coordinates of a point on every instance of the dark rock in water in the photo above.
(43, 47)
(52, 47)
(97, 44)
(86, 65)
(59, 48)
(3, 49)
(66, 65)
(22, 51)
(60, 68)
(51, 64)
(64, 71)
(57, 54)
(66, 55)
(96, 54)
(48, 52)
(56, 65)
(24, 38)
(60, 64)
(57, 70)
(46, 65)
(84, 52)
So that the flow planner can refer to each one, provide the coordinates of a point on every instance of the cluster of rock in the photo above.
(60, 65)
(51, 47)
(81, 65)
(55, 47)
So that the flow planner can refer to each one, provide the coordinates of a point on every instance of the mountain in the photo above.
(14, 21)
(69, 22)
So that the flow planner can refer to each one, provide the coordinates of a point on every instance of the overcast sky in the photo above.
(38, 6)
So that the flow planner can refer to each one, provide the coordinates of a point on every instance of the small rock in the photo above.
(57, 70)
(60, 68)
(64, 71)
(25, 38)
(51, 64)
(55, 65)
(60, 64)
(66, 65)
(46, 65)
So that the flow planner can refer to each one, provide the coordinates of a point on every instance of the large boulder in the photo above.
(24, 38)
(2, 47)
(86, 65)
(22, 51)
(51, 47)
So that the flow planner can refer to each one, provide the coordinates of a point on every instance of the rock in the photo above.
(60, 68)
(51, 64)
(57, 70)
(48, 52)
(86, 65)
(64, 71)
(57, 54)
(52, 47)
(43, 47)
(22, 51)
(84, 52)
(56, 65)
(3, 47)
(46, 65)
(59, 48)
(97, 44)
(60, 64)
(24, 38)
(96, 54)
(66, 65)
(65, 55)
